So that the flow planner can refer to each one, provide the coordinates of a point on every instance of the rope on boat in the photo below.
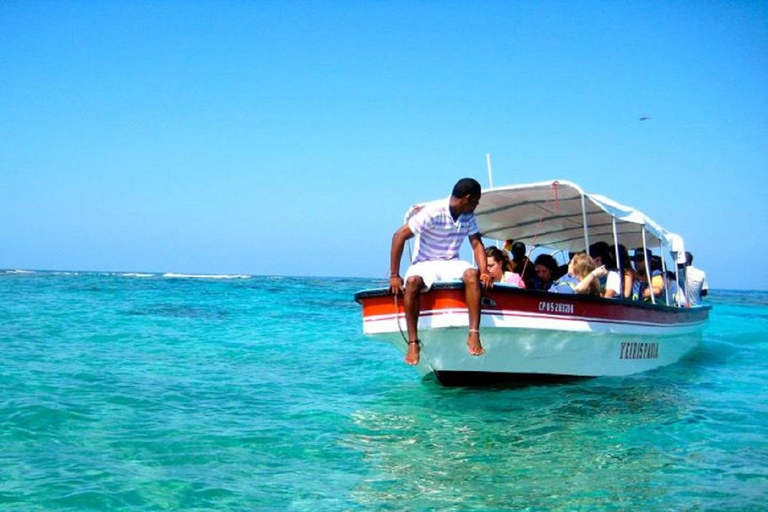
(532, 246)
(397, 319)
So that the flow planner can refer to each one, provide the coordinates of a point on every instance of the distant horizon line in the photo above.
(203, 275)
(177, 274)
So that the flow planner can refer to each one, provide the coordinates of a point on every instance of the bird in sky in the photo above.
(644, 118)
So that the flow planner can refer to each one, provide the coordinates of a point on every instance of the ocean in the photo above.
(150, 392)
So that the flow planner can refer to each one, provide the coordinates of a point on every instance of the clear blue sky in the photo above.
(288, 138)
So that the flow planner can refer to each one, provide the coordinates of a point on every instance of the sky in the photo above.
(289, 137)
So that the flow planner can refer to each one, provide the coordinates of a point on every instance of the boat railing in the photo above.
(514, 290)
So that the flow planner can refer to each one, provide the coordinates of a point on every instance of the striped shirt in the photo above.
(438, 237)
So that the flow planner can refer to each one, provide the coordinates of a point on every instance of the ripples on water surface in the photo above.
(142, 392)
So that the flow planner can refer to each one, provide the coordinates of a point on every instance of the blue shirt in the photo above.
(565, 284)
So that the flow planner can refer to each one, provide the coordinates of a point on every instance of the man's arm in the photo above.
(482, 262)
(657, 284)
(656, 287)
(395, 255)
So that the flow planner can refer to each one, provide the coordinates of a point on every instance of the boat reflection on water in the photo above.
(599, 443)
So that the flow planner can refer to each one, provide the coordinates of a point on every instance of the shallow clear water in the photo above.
(125, 392)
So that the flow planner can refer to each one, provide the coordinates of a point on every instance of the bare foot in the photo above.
(414, 350)
(473, 342)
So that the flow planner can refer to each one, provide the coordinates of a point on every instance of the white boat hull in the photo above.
(557, 353)
(543, 335)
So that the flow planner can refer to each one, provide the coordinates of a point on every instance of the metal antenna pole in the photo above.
(490, 172)
(490, 183)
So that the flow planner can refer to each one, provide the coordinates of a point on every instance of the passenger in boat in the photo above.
(582, 277)
(521, 264)
(610, 285)
(598, 251)
(498, 262)
(545, 267)
(695, 281)
(440, 229)
(625, 271)
(562, 270)
(676, 295)
(641, 290)
(658, 283)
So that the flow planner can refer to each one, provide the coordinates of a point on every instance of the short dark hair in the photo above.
(624, 262)
(518, 250)
(688, 258)
(466, 187)
(639, 256)
(548, 261)
(598, 249)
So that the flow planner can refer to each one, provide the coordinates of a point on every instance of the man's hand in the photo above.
(486, 280)
(395, 285)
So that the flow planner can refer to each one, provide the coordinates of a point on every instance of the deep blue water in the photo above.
(145, 392)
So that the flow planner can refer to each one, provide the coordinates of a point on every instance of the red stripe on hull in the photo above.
(515, 302)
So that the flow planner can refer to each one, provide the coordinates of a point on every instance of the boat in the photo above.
(538, 336)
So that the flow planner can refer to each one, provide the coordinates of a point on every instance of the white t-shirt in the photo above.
(613, 282)
(695, 283)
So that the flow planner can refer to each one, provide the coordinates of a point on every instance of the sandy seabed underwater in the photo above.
(149, 392)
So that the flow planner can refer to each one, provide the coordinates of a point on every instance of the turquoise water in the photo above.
(126, 392)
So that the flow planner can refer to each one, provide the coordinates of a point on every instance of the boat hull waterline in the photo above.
(536, 334)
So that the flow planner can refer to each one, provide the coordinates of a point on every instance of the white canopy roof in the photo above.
(553, 214)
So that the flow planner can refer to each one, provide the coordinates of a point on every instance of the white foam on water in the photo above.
(206, 276)
(135, 274)
(20, 271)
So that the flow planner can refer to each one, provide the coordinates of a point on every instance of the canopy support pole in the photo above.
(647, 267)
(584, 221)
(490, 185)
(664, 271)
(618, 263)
(490, 172)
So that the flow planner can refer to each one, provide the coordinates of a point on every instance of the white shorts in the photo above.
(433, 271)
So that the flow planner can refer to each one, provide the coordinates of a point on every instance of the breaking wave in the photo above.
(207, 276)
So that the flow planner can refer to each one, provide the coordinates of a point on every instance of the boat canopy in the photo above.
(554, 214)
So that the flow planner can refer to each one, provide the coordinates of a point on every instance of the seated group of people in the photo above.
(582, 274)
(596, 273)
